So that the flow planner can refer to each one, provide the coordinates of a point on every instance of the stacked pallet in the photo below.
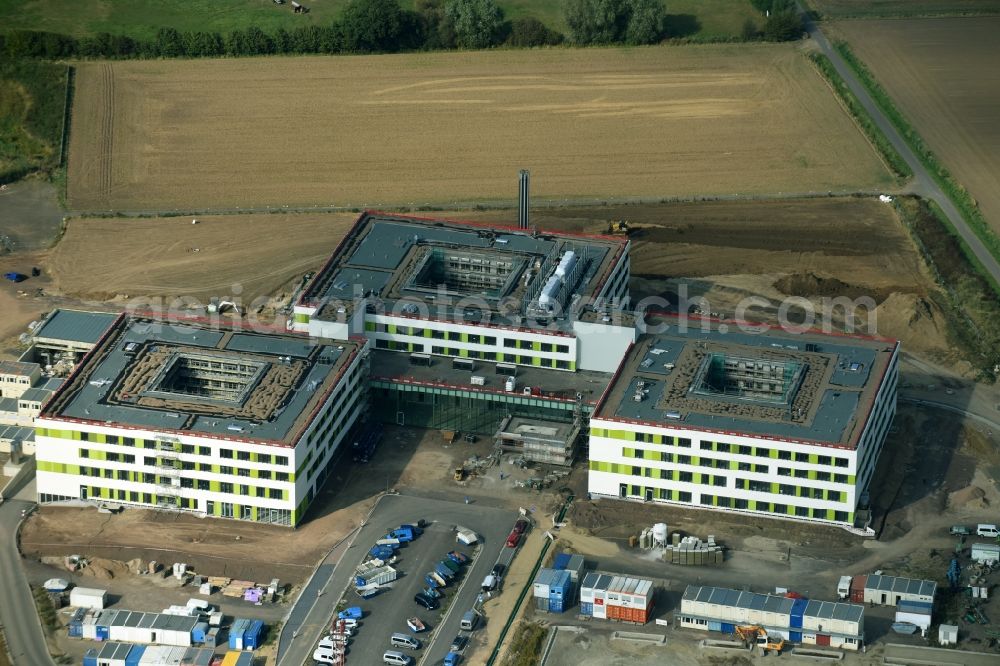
(693, 551)
(237, 588)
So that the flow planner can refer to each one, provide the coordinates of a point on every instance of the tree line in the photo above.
(383, 26)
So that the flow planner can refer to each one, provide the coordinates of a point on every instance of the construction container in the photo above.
(147, 628)
(575, 568)
(135, 655)
(110, 654)
(593, 591)
(238, 659)
(985, 552)
(542, 604)
(560, 561)
(560, 591)
(200, 633)
(87, 597)
(254, 636)
(75, 625)
(587, 608)
(890, 590)
(236, 631)
(915, 612)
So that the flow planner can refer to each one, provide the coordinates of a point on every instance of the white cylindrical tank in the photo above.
(660, 534)
(566, 264)
(550, 291)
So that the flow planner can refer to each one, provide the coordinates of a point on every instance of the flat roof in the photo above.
(770, 603)
(924, 588)
(125, 380)
(748, 379)
(386, 257)
(18, 368)
(75, 326)
(551, 383)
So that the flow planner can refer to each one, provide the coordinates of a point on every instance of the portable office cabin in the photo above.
(575, 569)
(236, 631)
(151, 628)
(593, 595)
(109, 654)
(254, 635)
(890, 590)
(75, 625)
(985, 552)
(833, 624)
(238, 659)
(915, 612)
(87, 597)
(560, 592)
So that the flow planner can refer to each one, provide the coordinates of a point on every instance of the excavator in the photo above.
(618, 227)
(752, 634)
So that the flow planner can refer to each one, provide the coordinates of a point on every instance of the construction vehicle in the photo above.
(618, 227)
(752, 635)
(459, 473)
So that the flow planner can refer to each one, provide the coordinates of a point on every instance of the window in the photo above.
(133, 496)
(763, 506)
(243, 455)
(684, 477)
(840, 478)
(84, 436)
(784, 471)
(683, 496)
(128, 458)
(744, 467)
(437, 349)
(225, 469)
(784, 455)
(187, 483)
(706, 500)
(636, 470)
(719, 481)
(745, 451)
(684, 460)
(546, 346)
(85, 453)
(128, 441)
(381, 344)
(635, 490)
(819, 513)
(148, 478)
(204, 467)
(489, 340)
(759, 486)
(786, 489)
(642, 437)
(822, 476)
(204, 451)
(664, 474)
(760, 469)
(281, 476)
(510, 358)
(779, 508)
(763, 453)
(474, 338)
(122, 475)
(802, 511)
(260, 491)
(264, 458)
(801, 474)
(281, 460)
(111, 439)
(240, 471)
(274, 493)
(666, 457)
(149, 461)
(225, 453)
(225, 487)
(204, 485)
(840, 462)
(684, 441)
(562, 349)
(525, 344)
(454, 336)
(817, 493)
(824, 460)
(833, 495)
(841, 516)
(264, 474)
(705, 446)
(801, 457)
(722, 447)
(147, 498)
(507, 342)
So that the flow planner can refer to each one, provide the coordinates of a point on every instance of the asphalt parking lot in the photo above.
(386, 612)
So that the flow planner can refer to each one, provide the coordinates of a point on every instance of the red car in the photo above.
(520, 526)
(513, 539)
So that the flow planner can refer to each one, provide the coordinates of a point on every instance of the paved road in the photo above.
(491, 524)
(17, 608)
(923, 183)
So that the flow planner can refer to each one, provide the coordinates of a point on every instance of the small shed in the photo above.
(985, 552)
(88, 597)
(915, 612)
(947, 634)
(890, 590)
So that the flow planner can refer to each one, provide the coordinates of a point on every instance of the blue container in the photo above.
(103, 633)
(556, 605)
(135, 655)
(198, 634)
(714, 625)
(90, 658)
(798, 609)
(586, 608)
(254, 637)
(795, 636)
(236, 632)
(728, 628)
(561, 561)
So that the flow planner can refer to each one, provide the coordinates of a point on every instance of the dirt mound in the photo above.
(915, 320)
(810, 285)
(970, 497)
(104, 569)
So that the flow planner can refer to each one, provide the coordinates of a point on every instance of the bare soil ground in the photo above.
(172, 258)
(869, 8)
(727, 251)
(416, 129)
(941, 74)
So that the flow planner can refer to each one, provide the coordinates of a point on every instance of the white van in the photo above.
(985, 530)
(405, 641)
(469, 621)
(396, 658)
(327, 655)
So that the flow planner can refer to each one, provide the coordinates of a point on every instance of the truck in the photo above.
(452, 659)
(379, 575)
(457, 557)
(467, 537)
(451, 564)
(416, 529)
(403, 534)
(444, 571)
(381, 552)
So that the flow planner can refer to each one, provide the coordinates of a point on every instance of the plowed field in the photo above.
(424, 128)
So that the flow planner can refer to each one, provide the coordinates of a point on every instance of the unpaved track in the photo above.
(418, 129)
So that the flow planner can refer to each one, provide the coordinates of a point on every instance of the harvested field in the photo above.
(941, 74)
(418, 129)
(873, 8)
(170, 257)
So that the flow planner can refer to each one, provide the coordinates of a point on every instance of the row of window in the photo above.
(190, 449)
(722, 463)
(184, 482)
(724, 447)
(473, 354)
(472, 338)
(185, 465)
(221, 509)
(734, 503)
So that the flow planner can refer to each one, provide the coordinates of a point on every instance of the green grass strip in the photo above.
(875, 135)
(951, 187)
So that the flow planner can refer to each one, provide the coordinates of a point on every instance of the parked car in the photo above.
(513, 539)
(498, 570)
(458, 643)
(520, 526)
(423, 600)
(960, 530)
